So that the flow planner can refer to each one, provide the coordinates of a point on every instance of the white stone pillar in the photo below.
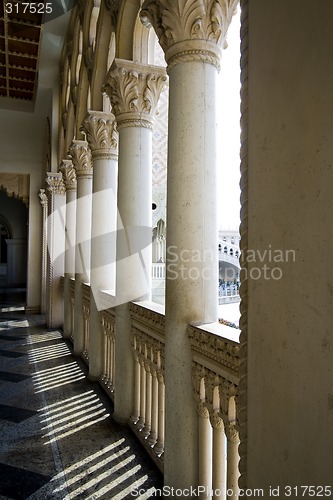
(69, 177)
(43, 202)
(192, 43)
(102, 137)
(56, 249)
(81, 156)
(134, 91)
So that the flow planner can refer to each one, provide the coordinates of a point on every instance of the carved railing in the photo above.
(158, 270)
(86, 315)
(72, 300)
(108, 374)
(148, 327)
(215, 379)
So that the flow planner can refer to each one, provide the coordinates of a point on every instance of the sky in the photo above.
(228, 130)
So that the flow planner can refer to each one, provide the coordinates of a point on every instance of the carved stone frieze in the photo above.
(134, 91)
(191, 30)
(69, 175)
(101, 132)
(218, 349)
(81, 155)
(55, 183)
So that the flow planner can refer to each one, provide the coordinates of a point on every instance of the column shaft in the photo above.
(192, 267)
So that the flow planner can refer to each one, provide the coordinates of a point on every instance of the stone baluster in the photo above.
(137, 385)
(142, 419)
(147, 428)
(69, 177)
(205, 449)
(159, 446)
(233, 459)
(81, 157)
(219, 471)
(154, 402)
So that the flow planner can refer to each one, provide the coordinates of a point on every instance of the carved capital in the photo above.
(202, 409)
(69, 175)
(55, 183)
(232, 433)
(42, 198)
(194, 30)
(81, 156)
(134, 91)
(102, 136)
(216, 421)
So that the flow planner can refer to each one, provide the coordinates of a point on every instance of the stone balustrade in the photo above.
(108, 327)
(148, 333)
(215, 379)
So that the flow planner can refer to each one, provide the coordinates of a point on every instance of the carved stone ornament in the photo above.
(232, 433)
(190, 30)
(216, 421)
(69, 175)
(81, 156)
(55, 183)
(225, 352)
(101, 132)
(43, 198)
(134, 91)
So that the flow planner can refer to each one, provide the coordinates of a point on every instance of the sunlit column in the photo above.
(69, 176)
(56, 248)
(43, 202)
(134, 91)
(81, 156)
(192, 39)
(102, 137)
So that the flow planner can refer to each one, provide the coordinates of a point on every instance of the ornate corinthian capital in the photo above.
(190, 30)
(55, 183)
(134, 91)
(81, 156)
(69, 175)
(102, 136)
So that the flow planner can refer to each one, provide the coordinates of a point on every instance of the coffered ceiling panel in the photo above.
(20, 36)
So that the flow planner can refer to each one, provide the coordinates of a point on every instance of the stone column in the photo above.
(69, 177)
(81, 156)
(43, 202)
(134, 91)
(192, 39)
(102, 136)
(56, 249)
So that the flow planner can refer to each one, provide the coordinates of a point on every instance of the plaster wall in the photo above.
(22, 145)
(290, 322)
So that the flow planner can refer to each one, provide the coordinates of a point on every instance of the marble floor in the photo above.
(57, 436)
